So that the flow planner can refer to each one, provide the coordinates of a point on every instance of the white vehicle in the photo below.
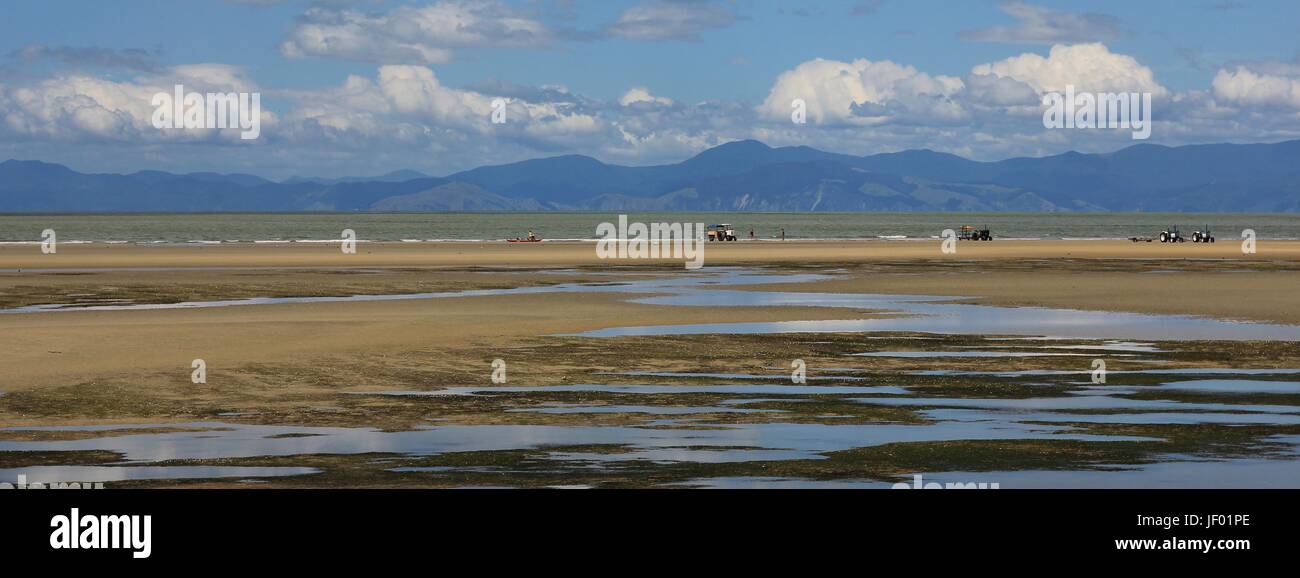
(1203, 236)
(723, 232)
(1171, 235)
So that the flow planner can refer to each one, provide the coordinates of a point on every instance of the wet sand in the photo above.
(1264, 292)
(1187, 278)
(58, 349)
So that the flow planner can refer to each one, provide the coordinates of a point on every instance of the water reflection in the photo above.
(224, 440)
(92, 474)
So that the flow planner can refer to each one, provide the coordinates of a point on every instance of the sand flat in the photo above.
(288, 368)
(61, 348)
(308, 347)
(54, 349)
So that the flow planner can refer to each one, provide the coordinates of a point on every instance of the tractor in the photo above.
(1204, 236)
(1171, 235)
(969, 233)
(723, 232)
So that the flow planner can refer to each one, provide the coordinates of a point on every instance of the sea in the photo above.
(211, 228)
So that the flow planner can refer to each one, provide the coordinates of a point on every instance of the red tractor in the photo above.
(969, 233)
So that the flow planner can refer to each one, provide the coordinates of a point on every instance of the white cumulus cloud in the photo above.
(1088, 67)
(1243, 86)
(75, 106)
(642, 94)
(860, 92)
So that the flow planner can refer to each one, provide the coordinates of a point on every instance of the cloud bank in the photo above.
(402, 114)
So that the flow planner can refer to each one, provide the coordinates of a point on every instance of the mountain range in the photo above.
(737, 176)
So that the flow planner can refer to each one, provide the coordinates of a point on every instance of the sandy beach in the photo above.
(568, 254)
(304, 363)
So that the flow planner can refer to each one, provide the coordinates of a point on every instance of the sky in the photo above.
(364, 87)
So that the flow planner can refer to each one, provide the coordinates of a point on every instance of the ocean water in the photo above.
(250, 227)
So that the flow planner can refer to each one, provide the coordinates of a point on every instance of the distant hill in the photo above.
(392, 177)
(737, 176)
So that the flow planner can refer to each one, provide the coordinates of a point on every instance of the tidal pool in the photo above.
(772, 377)
(756, 389)
(728, 276)
(226, 440)
(1178, 472)
(1085, 402)
(1234, 386)
(971, 354)
(1169, 371)
(93, 474)
(960, 319)
(1182, 473)
(901, 313)
(646, 409)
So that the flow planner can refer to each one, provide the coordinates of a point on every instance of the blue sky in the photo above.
(337, 78)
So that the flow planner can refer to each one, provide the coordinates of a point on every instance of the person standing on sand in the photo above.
(751, 233)
(782, 233)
